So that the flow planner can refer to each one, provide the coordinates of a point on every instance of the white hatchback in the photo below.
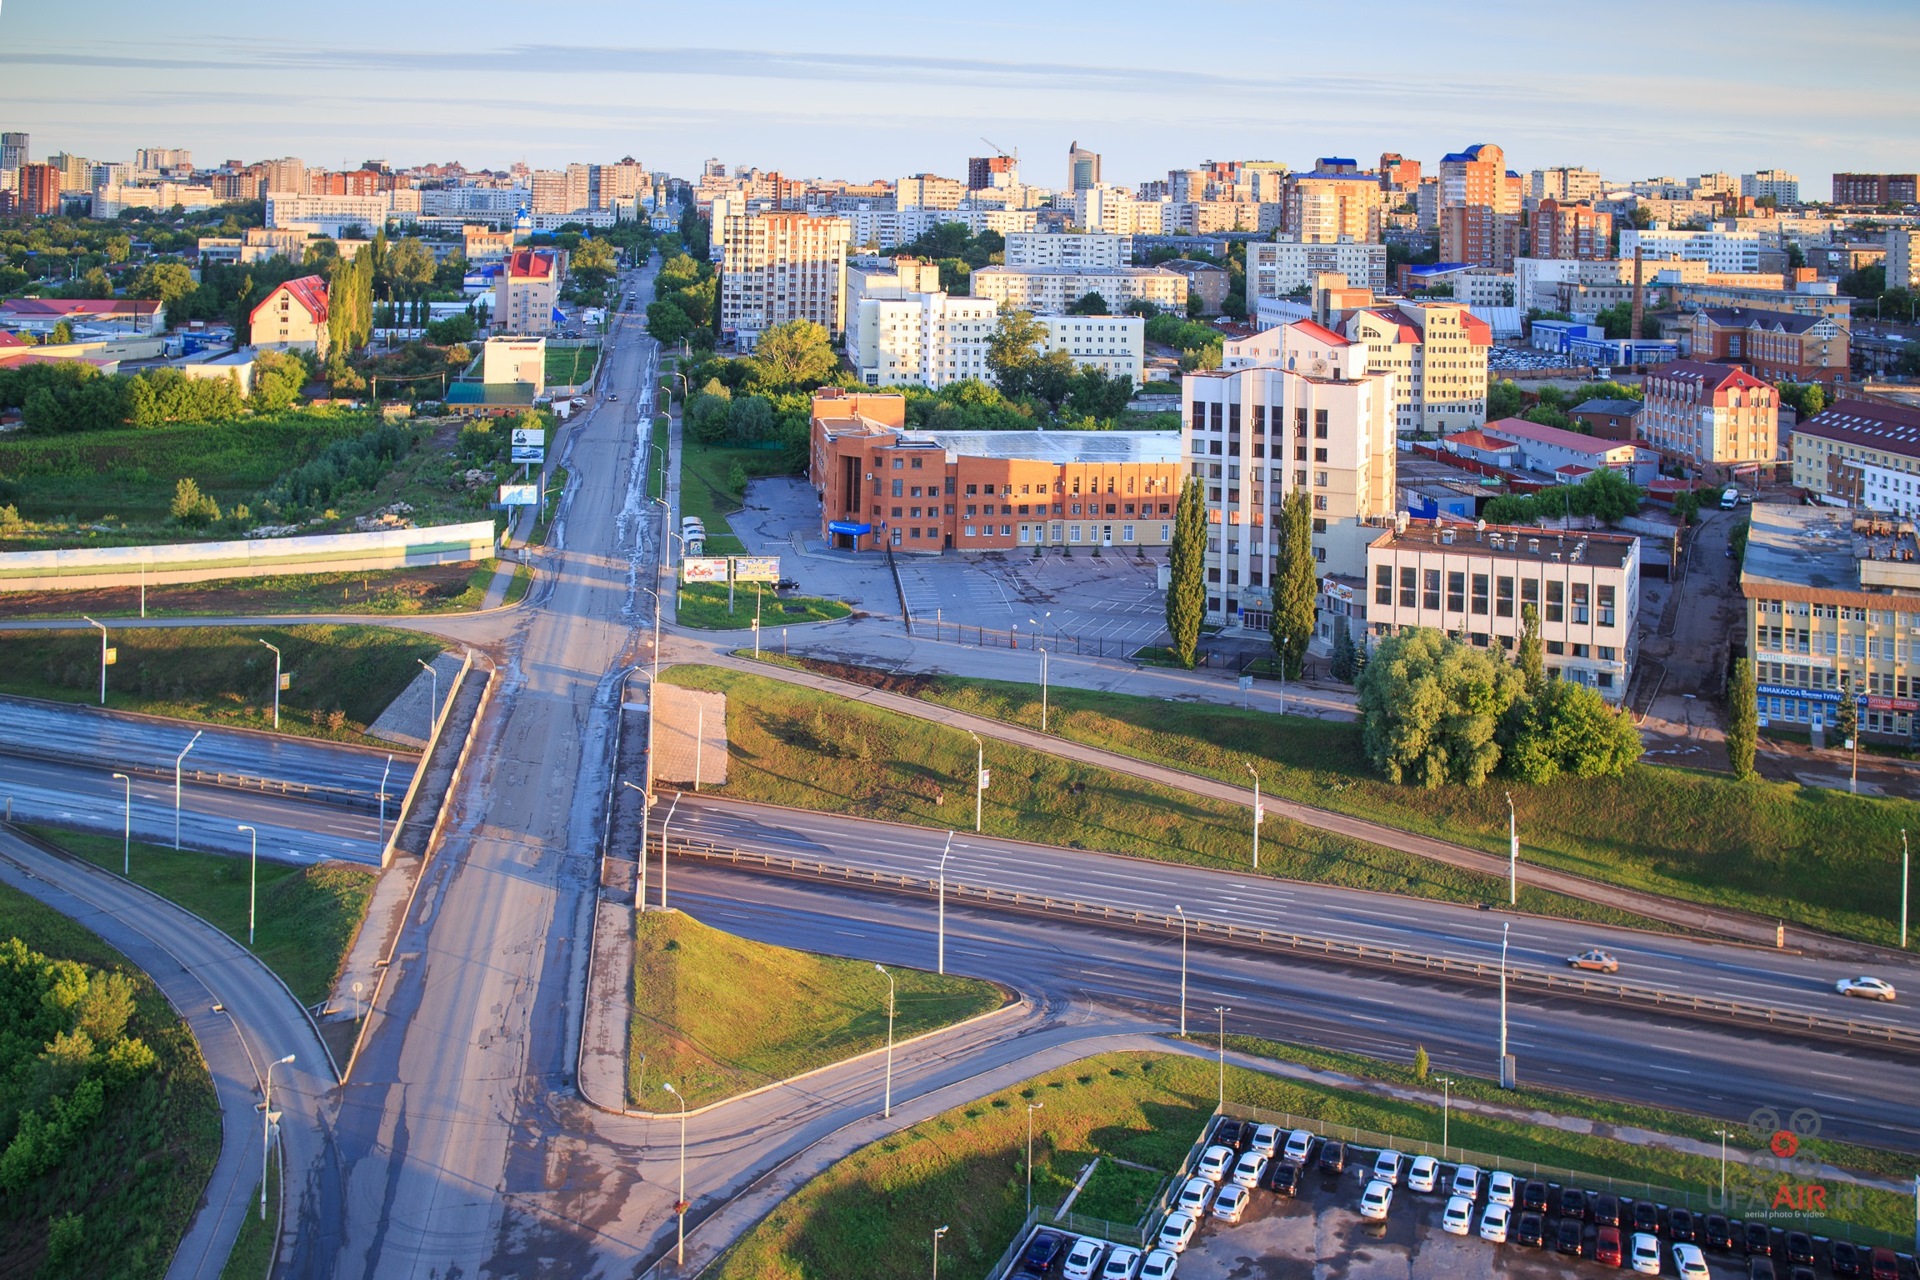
(1423, 1173)
(1495, 1222)
(1457, 1219)
(1376, 1200)
(1214, 1163)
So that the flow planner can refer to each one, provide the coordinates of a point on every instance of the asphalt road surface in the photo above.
(1664, 961)
(87, 796)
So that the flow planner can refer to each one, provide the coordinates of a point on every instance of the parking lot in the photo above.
(1319, 1231)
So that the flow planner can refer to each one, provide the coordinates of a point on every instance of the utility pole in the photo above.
(979, 777)
(105, 658)
(1905, 875)
(276, 684)
(126, 837)
(1513, 854)
(1446, 1112)
(887, 1106)
(266, 1128)
(942, 930)
(1258, 816)
(1031, 1108)
(1506, 1063)
(1223, 1011)
(1183, 966)
(177, 760)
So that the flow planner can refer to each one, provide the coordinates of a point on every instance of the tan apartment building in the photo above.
(778, 266)
(1860, 453)
(1475, 581)
(1437, 356)
(1713, 419)
(1323, 209)
(1833, 607)
(883, 485)
(525, 291)
(1779, 346)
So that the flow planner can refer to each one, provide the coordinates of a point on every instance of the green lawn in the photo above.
(707, 487)
(820, 751)
(135, 1176)
(343, 677)
(716, 1015)
(965, 1168)
(517, 588)
(569, 366)
(305, 917)
(451, 588)
(253, 1248)
(704, 604)
(1810, 856)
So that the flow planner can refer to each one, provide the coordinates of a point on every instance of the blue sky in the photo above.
(857, 90)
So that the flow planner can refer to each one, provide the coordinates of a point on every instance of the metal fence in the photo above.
(1051, 641)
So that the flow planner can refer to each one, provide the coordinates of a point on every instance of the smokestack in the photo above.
(1639, 294)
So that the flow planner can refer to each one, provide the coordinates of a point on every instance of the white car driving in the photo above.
(1865, 987)
(1376, 1200)
(1457, 1218)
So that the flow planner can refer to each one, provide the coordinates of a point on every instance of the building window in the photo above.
(1606, 605)
(970, 531)
(1408, 587)
(1383, 584)
(896, 537)
(1530, 593)
(1126, 533)
(899, 488)
(1503, 598)
(1456, 593)
(1319, 424)
(1480, 594)
(1557, 648)
(1430, 596)
(1073, 531)
(1556, 601)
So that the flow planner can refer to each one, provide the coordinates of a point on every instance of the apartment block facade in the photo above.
(1324, 209)
(1875, 188)
(525, 291)
(1287, 265)
(1902, 260)
(779, 266)
(1711, 418)
(1571, 230)
(1777, 345)
(1436, 356)
(1051, 290)
(1254, 435)
(1476, 581)
(1859, 453)
(1068, 249)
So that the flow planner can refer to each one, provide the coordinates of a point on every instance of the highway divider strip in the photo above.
(1396, 959)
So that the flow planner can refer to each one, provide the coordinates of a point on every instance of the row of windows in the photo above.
(1422, 589)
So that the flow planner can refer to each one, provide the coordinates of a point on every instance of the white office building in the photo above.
(1051, 290)
(1288, 265)
(1068, 249)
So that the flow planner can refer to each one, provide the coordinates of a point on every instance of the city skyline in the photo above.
(411, 90)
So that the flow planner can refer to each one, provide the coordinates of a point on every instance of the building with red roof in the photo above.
(1548, 450)
(293, 317)
(1712, 418)
(1437, 354)
(40, 315)
(525, 292)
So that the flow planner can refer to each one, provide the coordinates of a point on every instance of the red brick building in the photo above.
(1776, 345)
(1565, 230)
(881, 484)
(1875, 188)
(38, 190)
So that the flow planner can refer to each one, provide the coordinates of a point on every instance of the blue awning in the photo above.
(847, 526)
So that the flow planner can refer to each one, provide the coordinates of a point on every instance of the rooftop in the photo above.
(1515, 542)
(1521, 429)
(1803, 552)
(1747, 318)
(1625, 408)
(1052, 446)
(1867, 424)
(1711, 372)
(1074, 271)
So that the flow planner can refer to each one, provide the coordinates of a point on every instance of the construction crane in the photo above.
(1002, 151)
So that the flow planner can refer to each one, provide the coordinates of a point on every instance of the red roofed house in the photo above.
(1437, 354)
(1711, 417)
(1550, 451)
(293, 316)
(525, 292)
(40, 315)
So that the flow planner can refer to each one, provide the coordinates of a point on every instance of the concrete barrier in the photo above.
(86, 567)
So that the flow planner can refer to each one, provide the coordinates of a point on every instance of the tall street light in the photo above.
(680, 1205)
(1513, 854)
(384, 775)
(656, 638)
(1446, 1110)
(888, 1105)
(937, 1233)
(1905, 874)
(1723, 1134)
(253, 876)
(979, 777)
(664, 823)
(1223, 1011)
(1183, 967)
(177, 761)
(433, 706)
(1043, 669)
(1031, 1108)
(942, 931)
(1506, 1077)
(646, 802)
(1258, 816)
(126, 835)
(266, 1128)
(276, 684)
(103, 657)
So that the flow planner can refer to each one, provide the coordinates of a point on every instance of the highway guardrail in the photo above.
(1741, 1012)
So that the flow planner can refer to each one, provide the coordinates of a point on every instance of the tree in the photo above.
(1098, 395)
(1186, 561)
(1431, 709)
(1743, 718)
(1089, 304)
(792, 355)
(1531, 657)
(1568, 730)
(1013, 353)
(594, 256)
(1616, 319)
(166, 282)
(1503, 400)
(1342, 665)
(1296, 584)
(61, 335)
(452, 330)
(118, 248)
(410, 266)
(667, 324)
(750, 420)
(1846, 716)
(191, 507)
(277, 379)
(1052, 378)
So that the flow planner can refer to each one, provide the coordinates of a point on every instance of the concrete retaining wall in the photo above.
(85, 567)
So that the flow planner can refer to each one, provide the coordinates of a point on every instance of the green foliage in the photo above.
(796, 355)
(277, 380)
(1503, 400)
(1343, 665)
(1846, 715)
(345, 466)
(951, 242)
(64, 397)
(1200, 345)
(1743, 718)
(1014, 351)
(1868, 282)
(1097, 395)
(1421, 1063)
(1089, 304)
(191, 507)
(163, 395)
(1737, 539)
(1617, 320)
(1605, 495)
(450, 331)
(1296, 584)
(1431, 709)
(349, 304)
(1568, 730)
(1807, 398)
(968, 405)
(61, 335)
(667, 323)
(1186, 560)
(164, 281)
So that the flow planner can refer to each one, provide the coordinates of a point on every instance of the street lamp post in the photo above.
(176, 783)
(266, 1122)
(1513, 854)
(1723, 1167)
(646, 803)
(656, 641)
(680, 1205)
(1905, 875)
(979, 777)
(1257, 816)
(1183, 967)
(1446, 1111)
(664, 823)
(126, 835)
(384, 775)
(937, 1233)
(276, 683)
(103, 658)
(1031, 1108)
(1043, 665)
(433, 706)
(1223, 1011)
(941, 932)
(1506, 1078)
(253, 875)
(887, 1106)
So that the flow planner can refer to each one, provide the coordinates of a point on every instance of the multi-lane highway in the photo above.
(1665, 961)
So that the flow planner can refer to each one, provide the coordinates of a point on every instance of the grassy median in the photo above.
(343, 677)
(1806, 855)
(716, 1015)
(446, 588)
(795, 746)
(120, 1194)
(704, 604)
(305, 915)
(965, 1168)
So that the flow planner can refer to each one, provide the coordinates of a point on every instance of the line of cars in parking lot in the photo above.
(1241, 1157)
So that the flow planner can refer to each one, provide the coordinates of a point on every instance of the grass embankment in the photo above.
(305, 916)
(1810, 856)
(964, 1168)
(119, 1199)
(820, 751)
(569, 366)
(717, 1015)
(713, 485)
(447, 588)
(517, 585)
(252, 1250)
(343, 676)
(704, 604)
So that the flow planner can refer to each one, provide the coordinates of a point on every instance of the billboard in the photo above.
(756, 569)
(519, 495)
(530, 437)
(533, 453)
(703, 569)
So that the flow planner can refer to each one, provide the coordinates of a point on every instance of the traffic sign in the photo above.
(112, 656)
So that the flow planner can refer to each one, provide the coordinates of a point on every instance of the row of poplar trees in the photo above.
(1294, 586)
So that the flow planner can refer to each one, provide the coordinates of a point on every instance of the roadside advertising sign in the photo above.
(519, 495)
(703, 569)
(534, 453)
(534, 437)
(756, 568)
